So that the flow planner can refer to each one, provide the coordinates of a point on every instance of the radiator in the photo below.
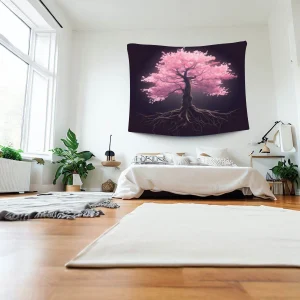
(14, 176)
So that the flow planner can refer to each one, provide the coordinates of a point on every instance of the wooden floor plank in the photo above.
(211, 292)
(272, 290)
(33, 254)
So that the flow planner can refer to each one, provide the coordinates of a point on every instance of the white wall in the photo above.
(296, 20)
(285, 65)
(296, 51)
(101, 93)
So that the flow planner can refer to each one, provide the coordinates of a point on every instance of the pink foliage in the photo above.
(204, 73)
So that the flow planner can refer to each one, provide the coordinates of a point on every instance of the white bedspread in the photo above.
(190, 180)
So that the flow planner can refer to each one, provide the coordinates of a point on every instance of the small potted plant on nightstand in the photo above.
(288, 173)
(73, 165)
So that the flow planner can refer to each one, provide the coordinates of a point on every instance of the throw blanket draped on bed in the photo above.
(55, 206)
(190, 180)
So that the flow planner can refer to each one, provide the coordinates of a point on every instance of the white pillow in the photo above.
(150, 159)
(169, 157)
(216, 162)
(213, 152)
(194, 161)
(180, 160)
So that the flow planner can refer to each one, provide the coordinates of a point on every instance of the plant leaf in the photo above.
(70, 180)
(10, 153)
(39, 161)
(68, 144)
(58, 173)
(90, 167)
(86, 155)
(71, 138)
(71, 135)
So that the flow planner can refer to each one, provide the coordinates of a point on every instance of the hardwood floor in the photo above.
(33, 254)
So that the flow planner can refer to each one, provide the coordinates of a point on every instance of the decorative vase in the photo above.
(72, 188)
(76, 184)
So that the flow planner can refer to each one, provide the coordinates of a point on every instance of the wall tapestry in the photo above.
(187, 91)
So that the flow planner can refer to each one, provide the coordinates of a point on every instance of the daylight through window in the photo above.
(27, 81)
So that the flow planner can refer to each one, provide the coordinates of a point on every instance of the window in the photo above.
(27, 81)
(14, 29)
(12, 95)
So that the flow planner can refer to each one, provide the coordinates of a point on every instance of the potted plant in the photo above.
(15, 172)
(10, 153)
(73, 165)
(288, 173)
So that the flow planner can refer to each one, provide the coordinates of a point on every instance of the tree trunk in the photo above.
(187, 94)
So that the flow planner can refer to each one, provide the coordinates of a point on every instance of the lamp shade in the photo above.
(110, 153)
(286, 138)
(76, 179)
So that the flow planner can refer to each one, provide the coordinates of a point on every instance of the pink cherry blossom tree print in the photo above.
(183, 72)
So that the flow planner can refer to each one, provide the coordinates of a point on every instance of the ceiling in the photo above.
(168, 14)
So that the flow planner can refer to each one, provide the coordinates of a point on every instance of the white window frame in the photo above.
(50, 74)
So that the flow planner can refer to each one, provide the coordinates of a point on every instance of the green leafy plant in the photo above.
(287, 171)
(72, 162)
(10, 153)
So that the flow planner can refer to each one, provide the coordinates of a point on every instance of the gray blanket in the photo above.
(67, 206)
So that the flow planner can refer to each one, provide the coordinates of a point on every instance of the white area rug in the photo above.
(174, 235)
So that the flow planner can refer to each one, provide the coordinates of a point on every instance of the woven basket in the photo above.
(108, 186)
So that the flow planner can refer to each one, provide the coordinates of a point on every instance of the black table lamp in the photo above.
(264, 139)
(109, 153)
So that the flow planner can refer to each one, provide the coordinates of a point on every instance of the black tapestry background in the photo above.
(205, 114)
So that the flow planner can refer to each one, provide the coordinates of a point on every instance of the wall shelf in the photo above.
(265, 156)
(110, 163)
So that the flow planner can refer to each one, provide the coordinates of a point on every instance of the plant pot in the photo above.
(291, 187)
(288, 187)
(15, 176)
(72, 188)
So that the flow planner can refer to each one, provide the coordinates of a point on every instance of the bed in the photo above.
(199, 181)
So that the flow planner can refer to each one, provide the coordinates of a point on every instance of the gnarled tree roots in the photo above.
(187, 117)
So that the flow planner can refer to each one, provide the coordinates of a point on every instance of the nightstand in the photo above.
(276, 185)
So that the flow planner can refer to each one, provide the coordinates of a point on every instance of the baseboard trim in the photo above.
(92, 189)
(45, 188)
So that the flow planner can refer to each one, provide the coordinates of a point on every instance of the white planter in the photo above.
(14, 176)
